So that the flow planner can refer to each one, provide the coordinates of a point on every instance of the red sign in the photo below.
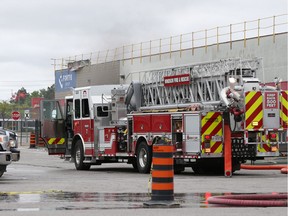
(177, 80)
(35, 102)
(15, 115)
(271, 100)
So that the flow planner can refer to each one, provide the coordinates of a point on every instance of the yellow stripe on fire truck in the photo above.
(253, 110)
(263, 148)
(211, 125)
(58, 141)
(284, 109)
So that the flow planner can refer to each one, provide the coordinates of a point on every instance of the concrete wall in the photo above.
(272, 50)
(99, 74)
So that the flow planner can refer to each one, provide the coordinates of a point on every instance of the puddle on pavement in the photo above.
(58, 200)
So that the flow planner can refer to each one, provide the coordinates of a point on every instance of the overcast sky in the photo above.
(34, 31)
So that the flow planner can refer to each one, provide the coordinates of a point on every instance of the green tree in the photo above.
(48, 93)
(23, 98)
(35, 94)
(19, 97)
(5, 111)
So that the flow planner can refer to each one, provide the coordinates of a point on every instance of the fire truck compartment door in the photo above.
(192, 133)
(53, 126)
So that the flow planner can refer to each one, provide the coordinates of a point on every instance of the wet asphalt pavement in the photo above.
(46, 185)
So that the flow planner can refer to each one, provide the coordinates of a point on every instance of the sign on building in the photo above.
(64, 80)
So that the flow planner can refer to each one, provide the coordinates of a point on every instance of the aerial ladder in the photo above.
(206, 81)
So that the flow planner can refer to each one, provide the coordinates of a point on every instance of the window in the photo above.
(85, 108)
(102, 111)
(69, 107)
(77, 108)
(52, 110)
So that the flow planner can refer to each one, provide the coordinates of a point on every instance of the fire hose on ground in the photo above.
(282, 168)
(255, 200)
(251, 200)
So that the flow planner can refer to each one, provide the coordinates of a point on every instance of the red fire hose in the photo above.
(283, 168)
(255, 200)
(251, 200)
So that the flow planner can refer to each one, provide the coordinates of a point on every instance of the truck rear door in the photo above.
(53, 126)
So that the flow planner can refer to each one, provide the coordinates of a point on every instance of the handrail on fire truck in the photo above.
(107, 99)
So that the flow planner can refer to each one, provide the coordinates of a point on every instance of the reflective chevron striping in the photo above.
(284, 109)
(253, 110)
(54, 141)
(212, 125)
(264, 147)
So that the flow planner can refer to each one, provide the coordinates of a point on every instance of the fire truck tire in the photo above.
(144, 157)
(79, 157)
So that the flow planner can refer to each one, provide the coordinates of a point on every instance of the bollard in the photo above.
(162, 176)
(32, 140)
(41, 142)
(37, 132)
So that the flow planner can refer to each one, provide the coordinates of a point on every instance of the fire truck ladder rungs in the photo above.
(206, 82)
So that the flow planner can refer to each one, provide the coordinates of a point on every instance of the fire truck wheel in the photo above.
(79, 157)
(144, 157)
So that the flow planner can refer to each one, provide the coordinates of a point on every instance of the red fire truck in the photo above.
(186, 105)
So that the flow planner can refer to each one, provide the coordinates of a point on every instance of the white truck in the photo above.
(8, 149)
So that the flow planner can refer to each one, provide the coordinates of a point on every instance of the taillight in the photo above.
(207, 139)
(273, 136)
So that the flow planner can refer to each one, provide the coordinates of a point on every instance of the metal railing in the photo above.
(215, 36)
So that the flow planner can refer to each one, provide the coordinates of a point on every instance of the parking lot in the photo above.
(44, 184)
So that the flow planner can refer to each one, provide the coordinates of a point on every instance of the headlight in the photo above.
(12, 143)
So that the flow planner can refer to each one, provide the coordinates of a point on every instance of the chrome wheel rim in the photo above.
(77, 156)
(143, 157)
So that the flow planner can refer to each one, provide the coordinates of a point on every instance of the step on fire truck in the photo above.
(187, 105)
